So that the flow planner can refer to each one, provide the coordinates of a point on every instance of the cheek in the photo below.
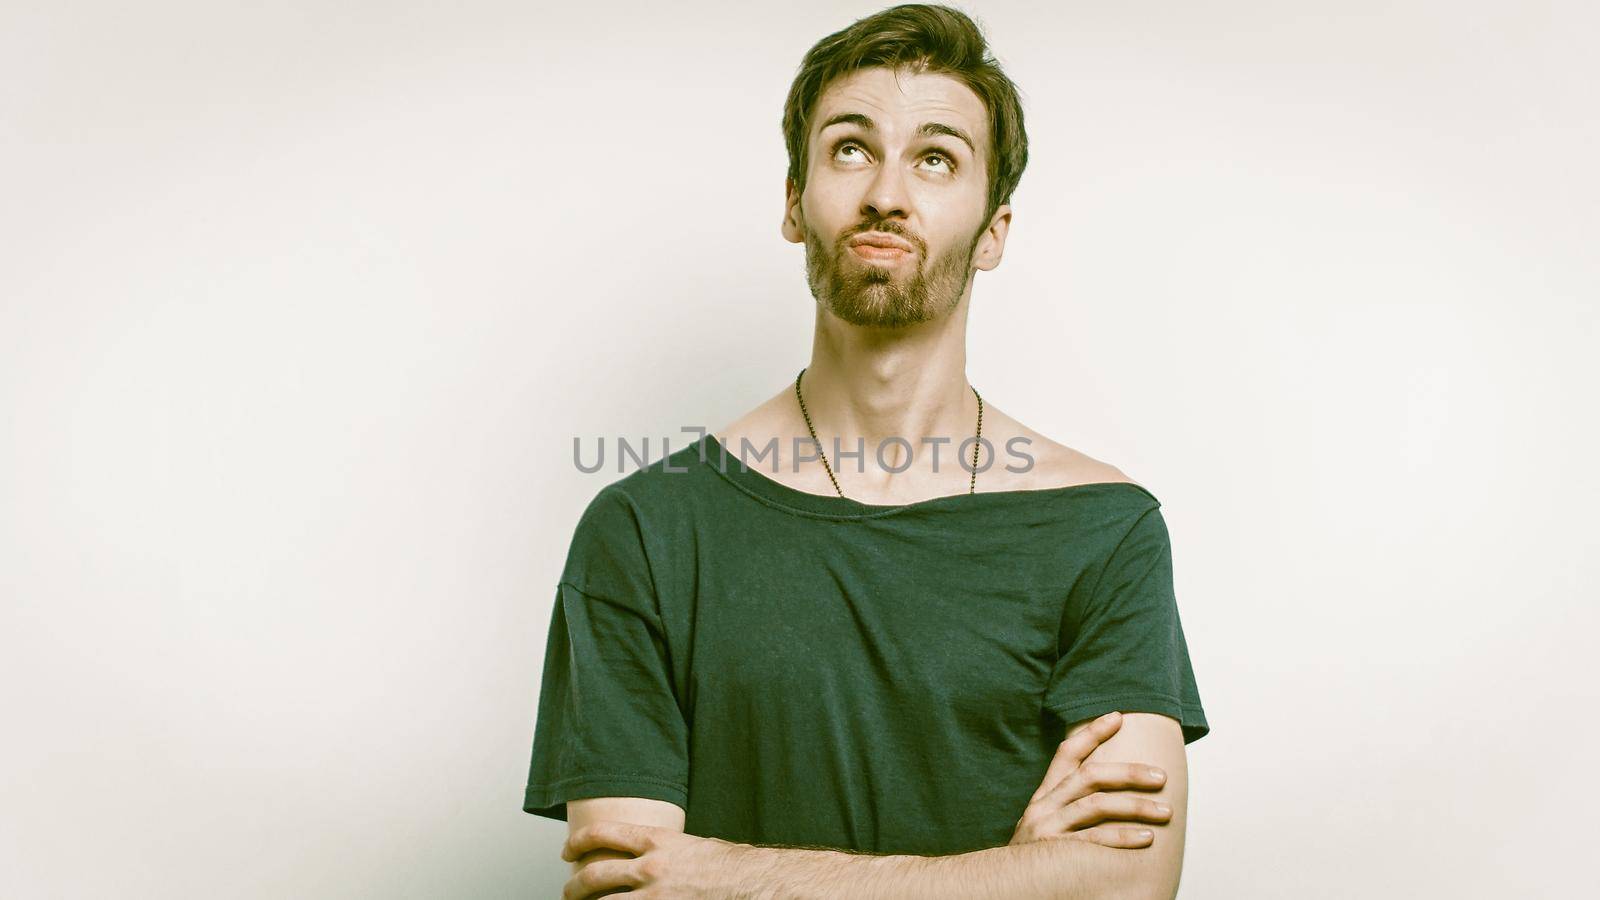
(825, 221)
(824, 201)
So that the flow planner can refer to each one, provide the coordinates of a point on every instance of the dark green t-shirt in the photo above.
(804, 670)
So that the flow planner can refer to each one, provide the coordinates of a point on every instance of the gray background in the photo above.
(301, 306)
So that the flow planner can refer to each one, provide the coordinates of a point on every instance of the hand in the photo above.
(1069, 802)
(666, 864)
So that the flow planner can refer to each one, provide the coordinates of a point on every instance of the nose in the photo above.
(886, 195)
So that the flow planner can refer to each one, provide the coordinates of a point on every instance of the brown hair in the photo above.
(926, 38)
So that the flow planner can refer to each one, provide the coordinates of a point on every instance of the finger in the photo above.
(1071, 752)
(1117, 836)
(1076, 748)
(1108, 776)
(1122, 775)
(617, 835)
(602, 876)
(601, 853)
(1091, 778)
(1100, 807)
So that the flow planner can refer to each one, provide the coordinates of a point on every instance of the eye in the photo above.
(843, 145)
(847, 144)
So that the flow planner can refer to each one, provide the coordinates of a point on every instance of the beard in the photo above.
(878, 296)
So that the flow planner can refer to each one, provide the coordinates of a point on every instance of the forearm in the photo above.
(1045, 870)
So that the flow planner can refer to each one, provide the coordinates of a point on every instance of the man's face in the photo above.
(890, 156)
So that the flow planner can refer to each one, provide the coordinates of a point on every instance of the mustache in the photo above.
(883, 228)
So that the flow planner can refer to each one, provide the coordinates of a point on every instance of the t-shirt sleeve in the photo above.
(608, 721)
(1122, 644)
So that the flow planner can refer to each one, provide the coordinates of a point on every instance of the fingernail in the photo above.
(1157, 774)
(1163, 809)
(1145, 832)
(1109, 716)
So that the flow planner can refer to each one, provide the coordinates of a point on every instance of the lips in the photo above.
(879, 239)
(881, 254)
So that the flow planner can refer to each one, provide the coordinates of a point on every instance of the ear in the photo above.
(992, 243)
(793, 227)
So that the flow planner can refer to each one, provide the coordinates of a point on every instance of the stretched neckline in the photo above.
(750, 478)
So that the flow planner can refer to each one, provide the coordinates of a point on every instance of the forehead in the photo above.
(901, 100)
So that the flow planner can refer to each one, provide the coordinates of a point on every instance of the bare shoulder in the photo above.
(764, 421)
(1043, 462)
(1054, 464)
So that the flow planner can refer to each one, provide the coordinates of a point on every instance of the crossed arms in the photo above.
(639, 845)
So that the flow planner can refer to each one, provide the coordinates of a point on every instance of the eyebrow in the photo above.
(926, 129)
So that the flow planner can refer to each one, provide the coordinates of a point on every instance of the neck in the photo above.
(870, 385)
